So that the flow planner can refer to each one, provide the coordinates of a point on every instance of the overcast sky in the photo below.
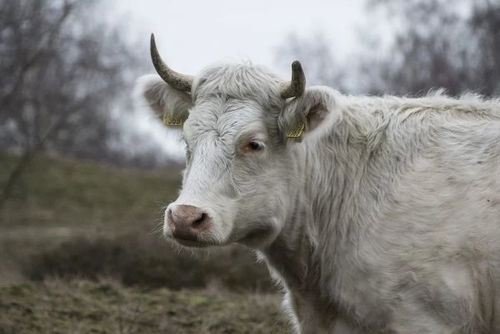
(192, 34)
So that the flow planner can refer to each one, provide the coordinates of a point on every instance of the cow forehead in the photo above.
(231, 98)
(224, 118)
(240, 81)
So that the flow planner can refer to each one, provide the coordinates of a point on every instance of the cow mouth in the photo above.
(192, 243)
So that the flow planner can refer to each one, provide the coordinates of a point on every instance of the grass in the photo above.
(78, 254)
(61, 306)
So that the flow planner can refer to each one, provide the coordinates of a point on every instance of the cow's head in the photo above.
(236, 121)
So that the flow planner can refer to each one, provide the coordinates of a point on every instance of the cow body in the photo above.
(384, 218)
(395, 222)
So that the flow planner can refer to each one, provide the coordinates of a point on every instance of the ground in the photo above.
(58, 306)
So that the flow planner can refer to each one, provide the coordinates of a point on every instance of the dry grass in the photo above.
(61, 306)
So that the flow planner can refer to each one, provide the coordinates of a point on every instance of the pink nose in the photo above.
(187, 221)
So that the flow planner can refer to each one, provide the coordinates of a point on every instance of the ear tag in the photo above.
(297, 132)
(170, 121)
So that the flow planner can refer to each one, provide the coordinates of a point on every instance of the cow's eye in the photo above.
(253, 146)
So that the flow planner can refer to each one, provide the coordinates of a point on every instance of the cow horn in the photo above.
(297, 85)
(177, 80)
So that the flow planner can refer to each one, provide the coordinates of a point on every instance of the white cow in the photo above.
(377, 214)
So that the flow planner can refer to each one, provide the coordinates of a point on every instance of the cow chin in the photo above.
(192, 243)
(208, 238)
(202, 241)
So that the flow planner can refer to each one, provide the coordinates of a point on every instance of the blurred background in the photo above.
(86, 169)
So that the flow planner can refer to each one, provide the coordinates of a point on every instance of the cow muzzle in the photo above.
(187, 223)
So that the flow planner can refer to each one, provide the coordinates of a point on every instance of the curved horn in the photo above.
(297, 85)
(177, 80)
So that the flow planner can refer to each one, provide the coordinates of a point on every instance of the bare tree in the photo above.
(438, 44)
(450, 44)
(65, 69)
(484, 24)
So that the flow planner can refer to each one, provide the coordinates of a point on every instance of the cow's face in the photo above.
(235, 177)
(239, 177)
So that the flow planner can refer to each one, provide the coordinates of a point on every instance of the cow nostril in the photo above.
(198, 222)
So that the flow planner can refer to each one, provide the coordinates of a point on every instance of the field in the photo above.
(80, 252)
(57, 306)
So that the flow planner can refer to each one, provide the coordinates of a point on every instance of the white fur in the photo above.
(384, 219)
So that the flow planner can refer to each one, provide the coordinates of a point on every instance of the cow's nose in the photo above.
(187, 221)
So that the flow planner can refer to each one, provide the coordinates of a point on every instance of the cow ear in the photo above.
(171, 105)
(305, 113)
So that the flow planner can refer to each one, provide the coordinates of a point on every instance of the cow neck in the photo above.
(316, 213)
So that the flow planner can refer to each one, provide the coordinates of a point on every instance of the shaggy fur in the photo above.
(384, 219)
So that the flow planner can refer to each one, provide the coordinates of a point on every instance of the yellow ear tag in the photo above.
(297, 133)
(170, 121)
